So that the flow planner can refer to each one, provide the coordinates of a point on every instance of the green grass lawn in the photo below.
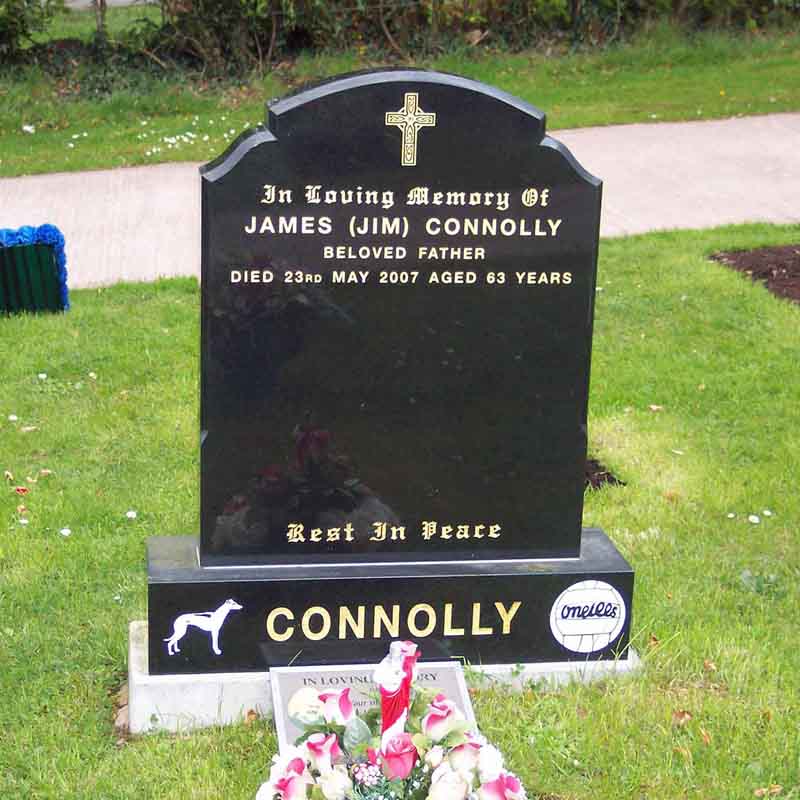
(142, 118)
(113, 428)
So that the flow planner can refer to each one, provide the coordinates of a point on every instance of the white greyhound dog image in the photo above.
(206, 621)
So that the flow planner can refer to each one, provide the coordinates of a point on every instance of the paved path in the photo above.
(142, 222)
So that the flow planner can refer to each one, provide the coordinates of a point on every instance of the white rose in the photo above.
(446, 770)
(464, 758)
(469, 777)
(447, 784)
(434, 756)
(477, 737)
(335, 784)
(305, 707)
(440, 718)
(490, 763)
(337, 706)
(443, 769)
(265, 792)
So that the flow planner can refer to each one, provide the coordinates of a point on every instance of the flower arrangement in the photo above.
(417, 746)
(47, 235)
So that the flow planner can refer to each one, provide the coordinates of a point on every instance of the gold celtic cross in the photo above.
(410, 118)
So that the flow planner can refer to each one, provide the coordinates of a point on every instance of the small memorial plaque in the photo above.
(446, 677)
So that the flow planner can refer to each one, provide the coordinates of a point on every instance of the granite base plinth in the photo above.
(247, 619)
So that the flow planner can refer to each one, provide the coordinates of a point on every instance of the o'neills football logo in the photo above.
(588, 616)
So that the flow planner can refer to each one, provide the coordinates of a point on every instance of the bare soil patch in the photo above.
(778, 268)
(597, 475)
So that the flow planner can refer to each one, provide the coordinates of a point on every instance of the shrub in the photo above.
(223, 35)
(236, 35)
(20, 19)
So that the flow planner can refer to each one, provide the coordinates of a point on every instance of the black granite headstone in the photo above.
(398, 282)
(398, 278)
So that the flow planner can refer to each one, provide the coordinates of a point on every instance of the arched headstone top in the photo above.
(434, 113)
(282, 111)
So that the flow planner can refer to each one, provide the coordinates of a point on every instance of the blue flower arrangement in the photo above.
(46, 235)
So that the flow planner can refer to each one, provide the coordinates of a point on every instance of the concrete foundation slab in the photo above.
(183, 702)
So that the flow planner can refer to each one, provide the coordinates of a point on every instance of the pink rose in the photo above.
(506, 787)
(288, 778)
(399, 757)
(323, 750)
(311, 446)
(440, 718)
(236, 503)
(291, 787)
(338, 706)
(272, 472)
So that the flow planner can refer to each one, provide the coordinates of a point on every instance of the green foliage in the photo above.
(222, 35)
(421, 698)
(457, 736)
(20, 20)
(597, 22)
(235, 35)
(316, 793)
(356, 734)
(422, 743)
(325, 728)
(372, 717)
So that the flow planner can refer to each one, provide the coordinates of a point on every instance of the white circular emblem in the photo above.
(588, 616)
